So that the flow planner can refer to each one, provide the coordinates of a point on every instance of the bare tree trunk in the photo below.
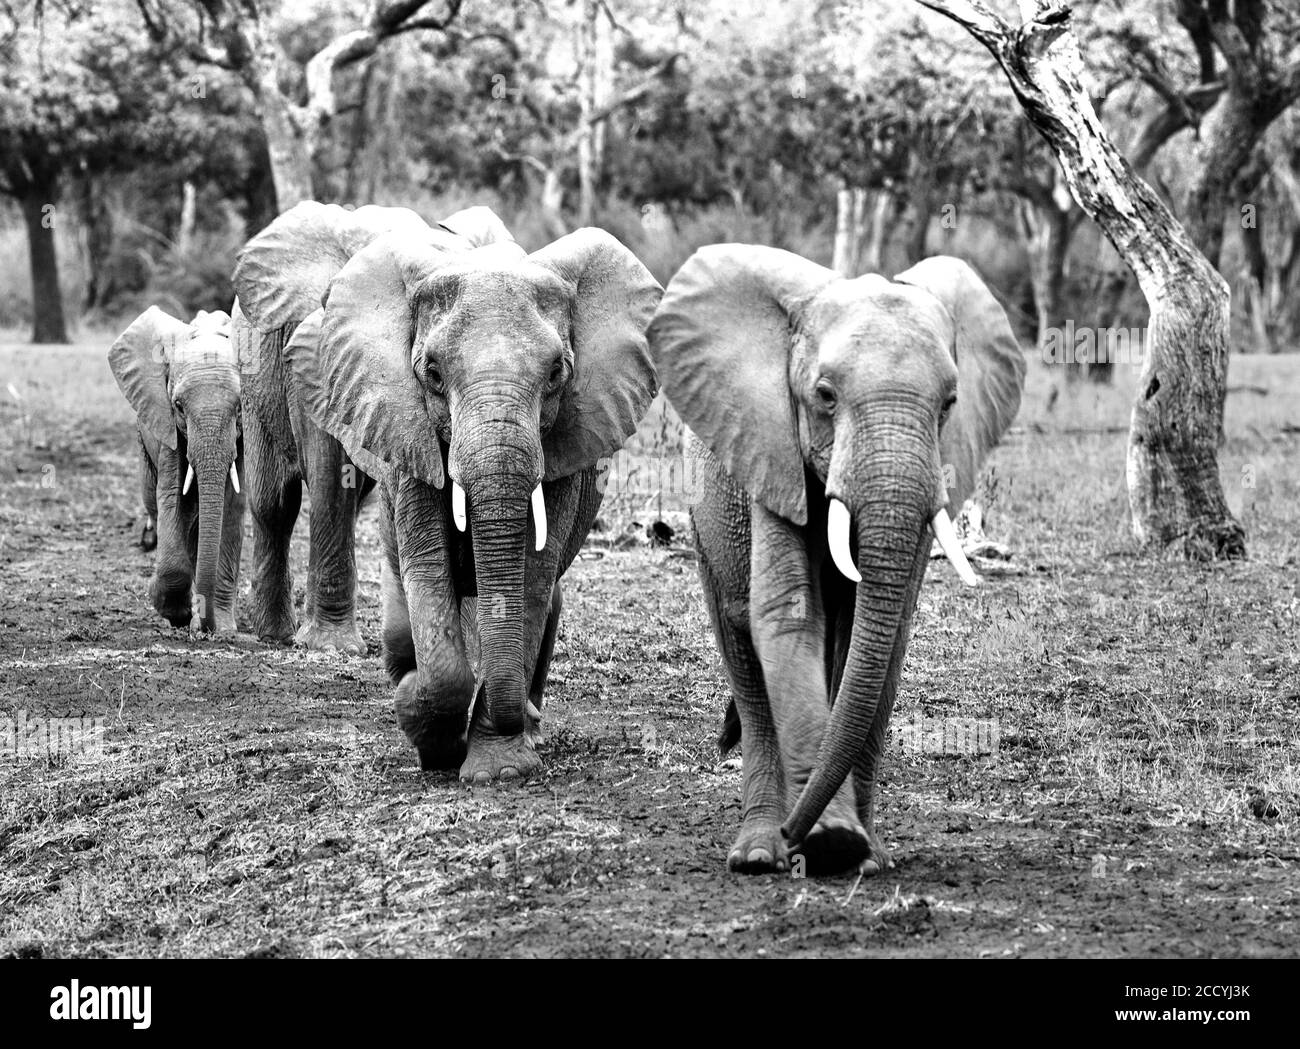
(844, 251)
(189, 214)
(1175, 493)
(586, 48)
(37, 202)
(922, 201)
(96, 242)
(873, 253)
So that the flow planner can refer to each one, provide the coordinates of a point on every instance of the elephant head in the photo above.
(183, 382)
(872, 402)
(454, 352)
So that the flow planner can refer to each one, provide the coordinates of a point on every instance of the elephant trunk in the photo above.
(500, 464)
(890, 522)
(212, 455)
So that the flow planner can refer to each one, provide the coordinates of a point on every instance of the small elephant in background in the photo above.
(837, 419)
(183, 381)
(483, 385)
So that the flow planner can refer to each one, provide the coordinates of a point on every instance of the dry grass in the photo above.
(253, 800)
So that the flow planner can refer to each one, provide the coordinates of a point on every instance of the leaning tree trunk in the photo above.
(37, 202)
(1175, 492)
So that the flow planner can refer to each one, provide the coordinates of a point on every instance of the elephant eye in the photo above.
(435, 379)
(825, 395)
(557, 372)
(947, 406)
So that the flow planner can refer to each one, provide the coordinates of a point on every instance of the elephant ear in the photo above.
(353, 363)
(283, 273)
(303, 354)
(990, 367)
(613, 378)
(139, 360)
(721, 341)
(478, 225)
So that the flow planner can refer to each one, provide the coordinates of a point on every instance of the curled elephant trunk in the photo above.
(499, 463)
(890, 528)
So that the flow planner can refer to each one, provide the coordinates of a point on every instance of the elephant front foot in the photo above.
(837, 842)
(331, 637)
(171, 597)
(225, 623)
(492, 758)
(759, 848)
(434, 720)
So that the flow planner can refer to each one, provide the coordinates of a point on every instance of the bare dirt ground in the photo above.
(252, 800)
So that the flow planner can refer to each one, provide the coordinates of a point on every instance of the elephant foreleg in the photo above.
(547, 650)
(274, 493)
(424, 649)
(173, 578)
(759, 846)
(149, 496)
(330, 623)
(789, 632)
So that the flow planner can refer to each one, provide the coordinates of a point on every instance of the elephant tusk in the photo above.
(941, 523)
(189, 480)
(837, 533)
(539, 519)
(458, 505)
(234, 477)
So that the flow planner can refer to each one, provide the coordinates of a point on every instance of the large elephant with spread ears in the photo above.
(837, 420)
(281, 276)
(483, 385)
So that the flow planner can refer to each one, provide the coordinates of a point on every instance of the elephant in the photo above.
(834, 421)
(437, 357)
(183, 381)
(279, 279)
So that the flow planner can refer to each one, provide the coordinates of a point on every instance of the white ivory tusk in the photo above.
(951, 546)
(539, 519)
(837, 533)
(234, 477)
(458, 505)
(189, 480)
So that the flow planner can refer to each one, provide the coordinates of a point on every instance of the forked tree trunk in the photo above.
(1175, 493)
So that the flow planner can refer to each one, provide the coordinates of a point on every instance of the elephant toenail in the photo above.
(760, 856)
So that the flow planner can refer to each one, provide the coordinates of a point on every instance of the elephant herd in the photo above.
(482, 390)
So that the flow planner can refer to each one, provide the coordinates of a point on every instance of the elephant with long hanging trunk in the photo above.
(483, 385)
(183, 381)
(837, 420)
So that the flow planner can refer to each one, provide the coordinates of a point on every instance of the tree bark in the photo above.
(37, 202)
(1175, 493)
(587, 104)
